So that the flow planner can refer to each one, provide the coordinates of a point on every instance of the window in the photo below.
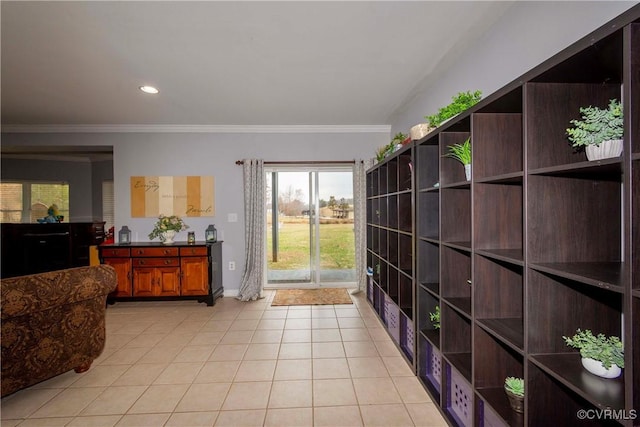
(23, 201)
(108, 205)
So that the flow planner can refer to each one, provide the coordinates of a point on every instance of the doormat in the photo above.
(312, 296)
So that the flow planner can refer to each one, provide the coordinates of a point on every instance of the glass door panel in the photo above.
(310, 234)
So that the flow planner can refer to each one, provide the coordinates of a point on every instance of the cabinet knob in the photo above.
(167, 262)
(141, 261)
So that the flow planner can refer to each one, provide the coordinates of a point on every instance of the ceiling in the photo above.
(227, 63)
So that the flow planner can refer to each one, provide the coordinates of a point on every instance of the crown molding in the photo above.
(196, 128)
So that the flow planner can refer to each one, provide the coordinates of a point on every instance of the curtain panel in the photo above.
(254, 232)
(360, 219)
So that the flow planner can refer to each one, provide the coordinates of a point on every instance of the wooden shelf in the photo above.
(606, 275)
(547, 238)
(567, 368)
(499, 402)
(509, 331)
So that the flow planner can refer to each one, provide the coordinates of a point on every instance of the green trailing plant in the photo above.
(597, 125)
(514, 385)
(607, 350)
(385, 150)
(461, 102)
(435, 317)
(461, 152)
(399, 138)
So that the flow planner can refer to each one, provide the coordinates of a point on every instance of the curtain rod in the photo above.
(310, 162)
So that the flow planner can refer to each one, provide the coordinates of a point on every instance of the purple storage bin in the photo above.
(459, 398)
(407, 336)
(392, 318)
(432, 365)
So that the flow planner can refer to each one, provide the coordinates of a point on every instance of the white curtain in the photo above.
(360, 212)
(254, 223)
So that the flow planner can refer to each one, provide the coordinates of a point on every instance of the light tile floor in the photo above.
(234, 364)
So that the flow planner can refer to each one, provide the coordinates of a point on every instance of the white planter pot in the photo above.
(596, 368)
(606, 150)
(467, 172)
(167, 237)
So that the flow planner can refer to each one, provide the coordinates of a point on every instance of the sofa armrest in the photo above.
(38, 292)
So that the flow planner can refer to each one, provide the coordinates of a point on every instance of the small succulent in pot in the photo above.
(514, 385)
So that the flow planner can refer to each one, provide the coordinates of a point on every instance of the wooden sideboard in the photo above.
(36, 248)
(154, 271)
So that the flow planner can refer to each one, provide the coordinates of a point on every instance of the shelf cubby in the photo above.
(384, 243)
(392, 212)
(451, 170)
(498, 219)
(497, 144)
(558, 306)
(405, 171)
(456, 339)
(493, 362)
(428, 222)
(550, 401)
(383, 277)
(393, 248)
(428, 165)
(393, 288)
(573, 220)
(375, 211)
(405, 261)
(498, 299)
(455, 215)
(405, 208)
(427, 304)
(383, 206)
(405, 289)
(392, 175)
(382, 179)
(455, 270)
(547, 119)
(428, 265)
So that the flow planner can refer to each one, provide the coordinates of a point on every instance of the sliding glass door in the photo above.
(310, 234)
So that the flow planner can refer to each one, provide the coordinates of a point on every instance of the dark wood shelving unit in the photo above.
(549, 240)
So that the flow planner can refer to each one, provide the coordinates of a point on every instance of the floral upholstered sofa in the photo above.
(52, 322)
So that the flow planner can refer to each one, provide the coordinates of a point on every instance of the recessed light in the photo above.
(149, 89)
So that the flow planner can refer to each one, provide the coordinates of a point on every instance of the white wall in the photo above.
(529, 33)
(177, 154)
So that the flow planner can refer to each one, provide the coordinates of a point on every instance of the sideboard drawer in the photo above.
(156, 262)
(116, 253)
(194, 251)
(146, 252)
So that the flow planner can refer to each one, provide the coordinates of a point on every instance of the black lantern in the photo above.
(124, 235)
(211, 234)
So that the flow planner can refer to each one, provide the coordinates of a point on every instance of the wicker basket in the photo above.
(420, 130)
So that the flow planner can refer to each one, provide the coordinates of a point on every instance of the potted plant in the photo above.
(435, 317)
(599, 131)
(601, 355)
(514, 387)
(462, 153)
(385, 150)
(399, 139)
(459, 103)
(166, 228)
